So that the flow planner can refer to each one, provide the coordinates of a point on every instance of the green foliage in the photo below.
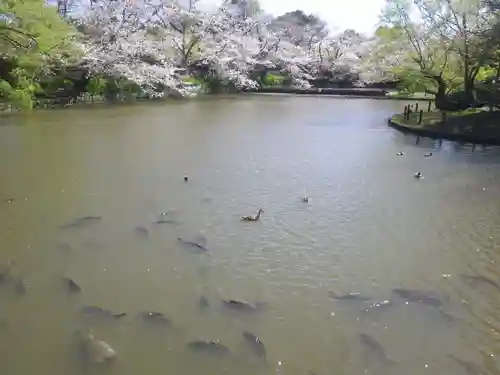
(193, 81)
(96, 85)
(34, 40)
(273, 80)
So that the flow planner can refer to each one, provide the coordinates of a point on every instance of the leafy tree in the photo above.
(444, 42)
(34, 40)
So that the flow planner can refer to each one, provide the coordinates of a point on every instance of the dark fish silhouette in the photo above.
(5, 271)
(470, 367)
(82, 221)
(209, 347)
(141, 231)
(349, 297)
(418, 296)
(479, 280)
(64, 247)
(100, 312)
(203, 302)
(155, 317)
(71, 285)
(255, 343)
(194, 245)
(240, 305)
(4, 274)
(20, 287)
(375, 348)
(167, 221)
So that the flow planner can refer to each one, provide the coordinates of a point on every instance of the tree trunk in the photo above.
(441, 101)
(469, 90)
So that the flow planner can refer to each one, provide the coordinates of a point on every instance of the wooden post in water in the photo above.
(416, 107)
(405, 113)
(429, 106)
(417, 141)
(473, 147)
(443, 116)
(420, 115)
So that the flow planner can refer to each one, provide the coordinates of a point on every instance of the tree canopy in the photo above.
(441, 46)
(34, 41)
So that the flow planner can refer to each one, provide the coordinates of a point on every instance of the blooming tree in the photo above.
(122, 45)
(150, 42)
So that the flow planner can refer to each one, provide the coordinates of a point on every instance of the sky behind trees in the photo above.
(361, 15)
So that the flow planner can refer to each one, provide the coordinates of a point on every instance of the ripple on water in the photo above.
(369, 227)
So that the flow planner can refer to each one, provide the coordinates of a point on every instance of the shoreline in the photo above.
(349, 93)
(441, 133)
(337, 96)
(372, 94)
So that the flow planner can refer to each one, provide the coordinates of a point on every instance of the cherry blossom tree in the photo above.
(122, 44)
(151, 42)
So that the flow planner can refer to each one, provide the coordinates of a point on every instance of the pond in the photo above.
(368, 227)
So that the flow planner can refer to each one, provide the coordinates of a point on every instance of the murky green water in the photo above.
(369, 227)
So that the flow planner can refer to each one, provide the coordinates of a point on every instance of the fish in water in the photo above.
(95, 350)
(240, 305)
(378, 305)
(470, 367)
(209, 347)
(203, 302)
(5, 272)
(479, 280)
(375, 348)
(141, 231)
(255, 343)
(82, 221)
(20, 287)
(100, 312)
(192, 244)
(349, 297)
(167, 221)
(155, 317)
(72, 286)
(64, 247)
(418, 296)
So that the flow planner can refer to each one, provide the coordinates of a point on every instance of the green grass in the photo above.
(432, 118)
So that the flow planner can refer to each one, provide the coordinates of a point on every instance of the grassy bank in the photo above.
(472, 125)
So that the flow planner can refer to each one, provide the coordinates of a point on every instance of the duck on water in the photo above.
(253, 218)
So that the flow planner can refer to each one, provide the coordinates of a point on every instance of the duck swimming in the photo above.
(400, 154)
(253, 218)
(305, 199)
(418, 175)
(427, 155)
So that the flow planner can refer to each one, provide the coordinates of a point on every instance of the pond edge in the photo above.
(436, 134)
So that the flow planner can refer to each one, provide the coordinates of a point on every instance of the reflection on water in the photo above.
(98, 197)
